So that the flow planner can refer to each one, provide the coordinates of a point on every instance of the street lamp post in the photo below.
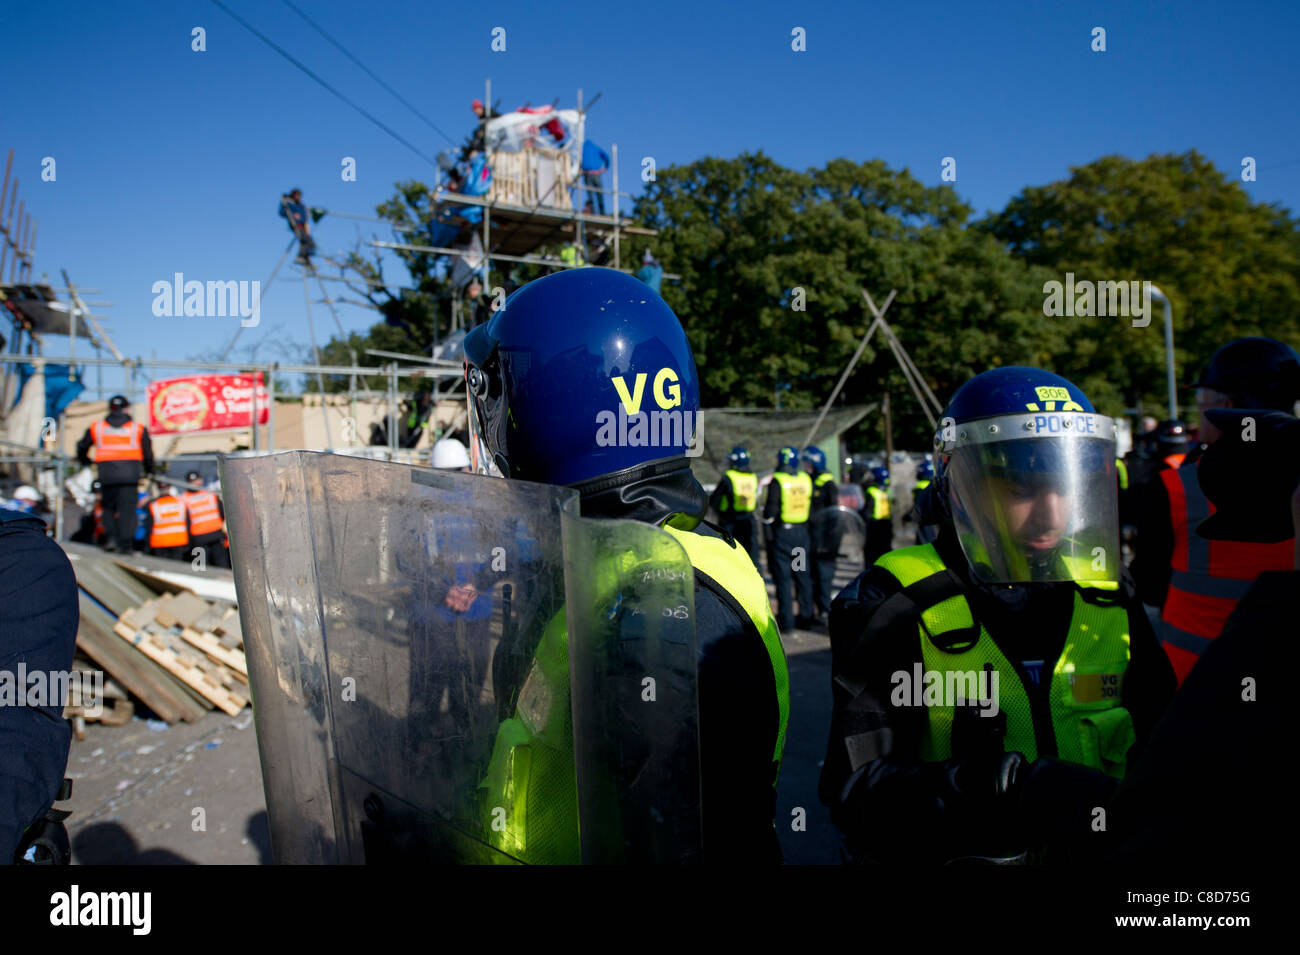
(1169, 350)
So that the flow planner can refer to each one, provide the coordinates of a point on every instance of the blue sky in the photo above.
(170, 160)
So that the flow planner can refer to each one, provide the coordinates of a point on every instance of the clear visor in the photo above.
(1035, 499)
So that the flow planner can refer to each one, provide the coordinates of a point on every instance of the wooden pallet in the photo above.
(211, 680)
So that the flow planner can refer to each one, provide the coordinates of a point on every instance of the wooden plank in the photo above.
(216, 649)
(96, 639)
(230, 625)
(187, 608)
(169, 660)
(95, 580)
(162, 612)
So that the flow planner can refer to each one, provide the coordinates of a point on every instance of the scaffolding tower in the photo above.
(528, 205)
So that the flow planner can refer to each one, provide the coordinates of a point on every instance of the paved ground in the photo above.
(186, 794)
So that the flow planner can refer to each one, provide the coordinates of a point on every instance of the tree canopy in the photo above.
(772, 263)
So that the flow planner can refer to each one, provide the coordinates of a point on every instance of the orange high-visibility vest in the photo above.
(1207, 577)
(169, 526)
(118, 444)
(1175, 461)
(205, 517)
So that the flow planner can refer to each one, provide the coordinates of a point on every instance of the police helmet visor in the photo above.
(1034, 497)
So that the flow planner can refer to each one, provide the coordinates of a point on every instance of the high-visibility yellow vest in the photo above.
(821, 480)
(1122, 468)
(796, 496)
(744, 492)
(921, 484)
(879, 504)
(1089, 723)
(529, 795)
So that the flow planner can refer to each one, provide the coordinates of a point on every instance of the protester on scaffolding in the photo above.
(651, 272)
(477, 308)
(478, 139)
(595, 162)
(292, 210)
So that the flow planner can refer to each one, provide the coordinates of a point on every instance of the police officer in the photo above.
(38, 627)
(925, 533)
(825, 534)
(207, 521)
(167, 525)
(876, 512)
(123, 454)
(1005, 653)
(785, 527)
(560, 357)
(924, 475)
(1197, 582)
(736, 498)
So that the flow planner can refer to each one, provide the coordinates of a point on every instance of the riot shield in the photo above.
(391, 618)
(838, 534)
(631, 608)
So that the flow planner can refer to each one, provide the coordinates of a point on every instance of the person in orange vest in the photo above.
(1195, 577)
(168, 525)
(123, 454)
(207, 522)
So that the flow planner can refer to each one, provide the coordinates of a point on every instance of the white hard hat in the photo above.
(450, 454)
(27, 493)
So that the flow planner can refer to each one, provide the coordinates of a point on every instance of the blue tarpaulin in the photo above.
(59, 391)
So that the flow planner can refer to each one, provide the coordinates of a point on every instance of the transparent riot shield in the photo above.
(631, 608)
(838, 534)
(391, 617)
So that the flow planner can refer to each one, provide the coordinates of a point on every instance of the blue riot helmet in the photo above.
(582, 374)
(815, 457)
(1026, 472)
(738, 458)
(787, 459)
(881, 476)
(925, 471)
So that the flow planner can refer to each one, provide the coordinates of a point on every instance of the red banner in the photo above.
(206, 403)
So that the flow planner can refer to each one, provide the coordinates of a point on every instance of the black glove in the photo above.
(1057, 805)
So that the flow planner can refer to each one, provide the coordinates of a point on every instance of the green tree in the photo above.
(753, 241)
(1230, 266)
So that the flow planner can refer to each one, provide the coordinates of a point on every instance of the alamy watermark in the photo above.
(1087, 299)
(950, 688)
(651, 429)
(84, 688)
(208, 300)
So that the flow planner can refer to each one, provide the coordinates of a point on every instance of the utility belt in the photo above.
(46, 840)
